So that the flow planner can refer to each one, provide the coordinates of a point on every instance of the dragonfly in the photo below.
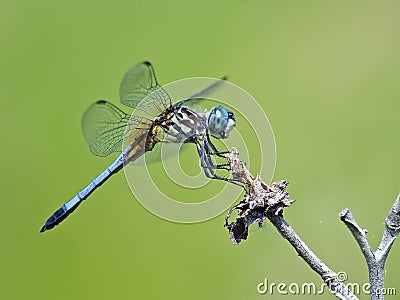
(108, 129)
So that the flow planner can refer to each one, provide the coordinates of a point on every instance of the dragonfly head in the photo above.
(220, 122)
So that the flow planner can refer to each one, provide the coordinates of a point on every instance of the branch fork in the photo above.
(375, 260)
(263, 201)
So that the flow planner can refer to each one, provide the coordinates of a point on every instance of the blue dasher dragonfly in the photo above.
(108, 129)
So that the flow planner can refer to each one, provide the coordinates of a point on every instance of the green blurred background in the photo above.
(327, 75)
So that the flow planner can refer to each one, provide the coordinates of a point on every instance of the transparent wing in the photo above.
(105, 127)
(203, 93)
(139, 84)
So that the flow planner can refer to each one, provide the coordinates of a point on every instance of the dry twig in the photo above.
(264, 201)
(375, 260)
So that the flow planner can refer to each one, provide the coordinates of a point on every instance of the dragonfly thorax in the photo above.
(177, 126)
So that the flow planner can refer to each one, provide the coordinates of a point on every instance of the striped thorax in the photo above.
(177, 126)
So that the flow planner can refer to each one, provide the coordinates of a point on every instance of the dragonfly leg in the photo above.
(208, 153)
(209, 167)
(215, 151)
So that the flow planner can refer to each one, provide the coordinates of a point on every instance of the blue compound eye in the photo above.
(220, 122)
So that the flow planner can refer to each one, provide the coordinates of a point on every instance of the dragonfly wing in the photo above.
(104, 126)
(140, 83)
(203, 93)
